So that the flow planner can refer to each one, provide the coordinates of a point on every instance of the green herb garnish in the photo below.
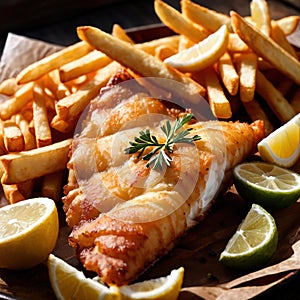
(160, 153)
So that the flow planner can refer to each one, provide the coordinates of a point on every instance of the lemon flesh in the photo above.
(167, 287)
(254, 242)
(201, 55)
(69, 283)
(282, 146)
(28, 233)
(266, 184)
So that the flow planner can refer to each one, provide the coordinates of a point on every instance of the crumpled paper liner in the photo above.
(197, 252)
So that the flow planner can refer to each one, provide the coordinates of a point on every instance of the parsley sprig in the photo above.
(160, 154)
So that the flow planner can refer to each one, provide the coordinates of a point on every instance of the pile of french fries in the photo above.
(46, 99)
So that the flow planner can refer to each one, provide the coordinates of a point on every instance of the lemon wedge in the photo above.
(28, 232)
(69, 283)
(167, 287)
(254, 242)
(201, 55)
(282, 146)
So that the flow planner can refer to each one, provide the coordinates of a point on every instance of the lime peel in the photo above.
(254, 243)
(266, 184)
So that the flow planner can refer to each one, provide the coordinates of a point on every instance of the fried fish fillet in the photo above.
(126, 215)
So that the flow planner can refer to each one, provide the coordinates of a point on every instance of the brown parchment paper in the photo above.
(197, 252)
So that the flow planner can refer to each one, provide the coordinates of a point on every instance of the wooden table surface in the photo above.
(56, 22)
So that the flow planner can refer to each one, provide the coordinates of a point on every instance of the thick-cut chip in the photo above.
(14, 104)
(18, 167)
(162, 52)
(63, 125)
(285, 85)
(228, 74)
(88, 63)
(255, 112)
(218, 102)
(9, 86)
(40, 118)
(29, 138)
(266, 48)
(149, 47)
(246, 65)
(139, 61)
(203, 16)
(52, 185)
(18, 191)
(184, 43)
(260, 16)
(52, 61)
(235, 44)
(96, 60)
(2, 146)
(54, 84)
(280, 38)
(280, 106)
(121, 34)
(178, 23)
(288, 24)
(295, 101)
(13, 137)
(70, 107)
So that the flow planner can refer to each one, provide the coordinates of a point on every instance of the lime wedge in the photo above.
(254, 242)
(266, 184)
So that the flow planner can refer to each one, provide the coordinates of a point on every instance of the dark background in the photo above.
(55, 21)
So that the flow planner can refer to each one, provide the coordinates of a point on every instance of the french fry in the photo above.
(52, 61)
(90, 62)
(288, 24)
(295, 101)
(203, 16)
(266, 48)
(54, 84)
(184, 43)
(121, 34)
(8, 87)
(285, 85)
(2, 145)
(29, 138)
(255, 112)
(62, 125)
(228, 74)
(139, 61)
(70, 107)
(17, 192)
(279, 37)
(14, 104)
(280, 106)
(218, 102)
(246, 64)
(235, 44)
(18, 167)
(149, 47)
(162, 52)
(40, 118)
(13, 137)
(52, 185)
(260, 16)
(96, 60)
(178, 23)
